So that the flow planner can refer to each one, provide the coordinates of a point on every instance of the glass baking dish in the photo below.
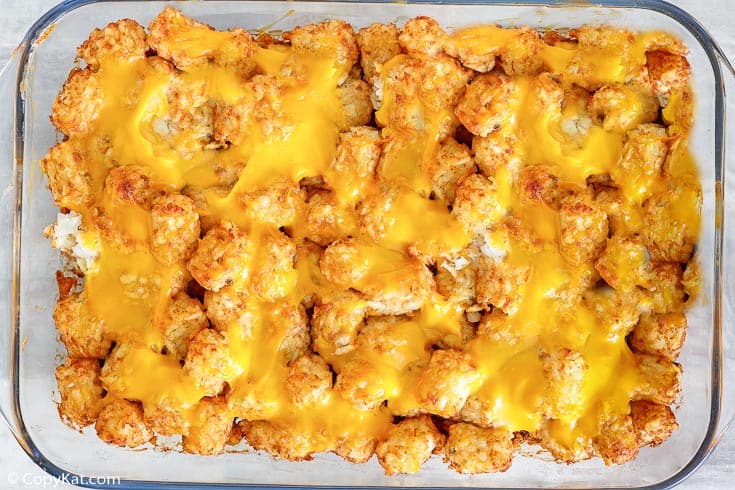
(29, 351)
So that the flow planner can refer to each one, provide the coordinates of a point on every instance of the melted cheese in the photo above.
(130, 290)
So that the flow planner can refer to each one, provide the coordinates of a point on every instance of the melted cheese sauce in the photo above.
(130, 290)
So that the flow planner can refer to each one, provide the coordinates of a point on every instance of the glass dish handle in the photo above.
(727, 402)
(8, 201)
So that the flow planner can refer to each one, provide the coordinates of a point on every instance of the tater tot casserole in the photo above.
(392, 241)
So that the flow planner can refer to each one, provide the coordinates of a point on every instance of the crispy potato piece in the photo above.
(583, 229)
(669, 236)
(221, 257)
(175, 227)
(327, 221)
(359, 383)
(476, 204)
(666, 292)
(335, 323)
(564, 370)
(355, 97)
(577, 450)
(123, 40)
(356, 448)
(184, 318)
(77, 106)
(622, 108)
(616, 442)
(408, 445)
(309, 380)
(484, 106)
(653, 422)
(422, 36)
(277, 440)
(661, 335)
(471, 449)
(211, 427)
(659, 379)
(354, 163)
(291, 318)
(667, 71)
(500, 284)
(121, 423)
(445, 384)
(206, 360)
(378, 43)
(130, 186)
(624, 263)
(176, 37)
(81, 391)
(453, 163)
(521, 54)
(82, 333)
(65, 165)
(495, 151)
(273, 275)
(537, 184)
(334, 39)
(616, 310)
(166, 418)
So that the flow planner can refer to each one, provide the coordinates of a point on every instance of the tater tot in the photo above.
(82, 333)
(653, 422)
(78, 104)
(335, 323)
(583, 229)
(446, 382)
(206, 360)
(278, 440)
(667, 71)
(378, 43)
(166, 418)
(564, 370)
(210, 429)
(221, 257)
(625, 263)
(408, 445)
(453, 163)
(129, 185)
(355, 97)
(617, 443)
(520, 55)
(175, 227)
(661, 335)
(356, 448)
(121, 40)
(309, 380)
(477, 205)
(613, 105)
(121, 423)
(659, 379)
(422, 36)
(331, 38)
(484, 106)
(500, 284)
(472, 449)
(273, 275)
(184, 318)
(174, 36)
(81, 391)
(65, 167)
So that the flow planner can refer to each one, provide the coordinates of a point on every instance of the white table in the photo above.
(18, 15)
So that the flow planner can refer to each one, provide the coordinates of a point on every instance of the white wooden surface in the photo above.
(17, 470)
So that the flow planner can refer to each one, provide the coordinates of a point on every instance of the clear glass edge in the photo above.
(715, 56)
